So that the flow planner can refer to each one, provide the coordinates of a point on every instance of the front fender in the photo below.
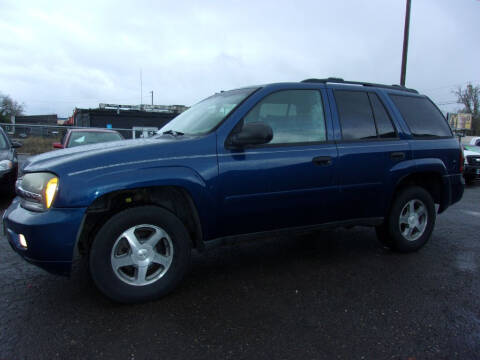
(81, 191)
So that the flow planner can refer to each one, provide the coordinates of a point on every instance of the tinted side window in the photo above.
(356, 117)
(421, 116)
(382, 119)
(295, 116)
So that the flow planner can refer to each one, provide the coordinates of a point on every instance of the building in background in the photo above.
(140, 120)
(38, 130)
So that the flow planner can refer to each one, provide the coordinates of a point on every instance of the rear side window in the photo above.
(356, 116)
(382, 119)
(421, 116)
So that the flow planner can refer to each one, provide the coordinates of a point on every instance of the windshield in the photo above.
(89, 137)
(3, 141)
(204, 116)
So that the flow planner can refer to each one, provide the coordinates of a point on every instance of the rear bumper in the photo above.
(453, 187)
(50, 235)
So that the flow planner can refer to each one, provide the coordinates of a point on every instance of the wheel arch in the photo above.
(175, 199)
(430, 180)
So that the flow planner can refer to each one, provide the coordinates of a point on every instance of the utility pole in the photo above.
(405, 43)
(141, 89)
(151, 92)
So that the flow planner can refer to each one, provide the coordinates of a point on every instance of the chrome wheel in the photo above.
(142, 254)
(413, 220)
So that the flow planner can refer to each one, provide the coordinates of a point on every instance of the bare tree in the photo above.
(9, 107)
(470, 99)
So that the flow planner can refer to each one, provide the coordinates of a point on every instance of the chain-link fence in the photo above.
(40, 138)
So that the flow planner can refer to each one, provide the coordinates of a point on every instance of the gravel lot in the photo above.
(332, 294)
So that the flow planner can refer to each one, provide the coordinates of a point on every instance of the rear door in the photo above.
(368, 147)
(288, 182)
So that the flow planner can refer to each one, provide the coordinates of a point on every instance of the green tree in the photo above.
(470, 99)
(9, 107)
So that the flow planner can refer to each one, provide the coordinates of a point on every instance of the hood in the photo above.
(471, 150)
(101, 154)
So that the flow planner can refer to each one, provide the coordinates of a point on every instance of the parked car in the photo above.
(78, 137)
(475, 141)
(241, 163)
(471, 171)
(8, 164)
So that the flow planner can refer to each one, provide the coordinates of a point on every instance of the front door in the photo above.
(288, 182)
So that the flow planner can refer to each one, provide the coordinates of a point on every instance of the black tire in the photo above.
(103, 275)
(390, 235)
(469, 180)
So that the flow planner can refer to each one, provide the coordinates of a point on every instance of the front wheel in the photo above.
(469, 180)
(140, 254)
(411, 220)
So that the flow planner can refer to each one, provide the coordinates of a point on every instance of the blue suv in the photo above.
(285, 156)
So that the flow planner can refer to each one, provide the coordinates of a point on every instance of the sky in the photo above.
(58, 55)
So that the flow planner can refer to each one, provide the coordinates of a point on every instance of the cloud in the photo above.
(58, 55)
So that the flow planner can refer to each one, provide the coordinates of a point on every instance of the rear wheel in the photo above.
(140, 254)
(411, 221)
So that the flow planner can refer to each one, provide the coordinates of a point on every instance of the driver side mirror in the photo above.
(254, 133)
(16, 144)
(57, 145)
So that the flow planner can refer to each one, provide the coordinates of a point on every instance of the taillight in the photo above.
(462, 159)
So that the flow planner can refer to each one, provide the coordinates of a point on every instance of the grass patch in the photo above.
(36, 144)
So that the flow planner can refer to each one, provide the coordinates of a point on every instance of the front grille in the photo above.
(473, 160)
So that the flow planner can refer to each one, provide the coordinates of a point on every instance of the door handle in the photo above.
(397, 155)
(322, 160)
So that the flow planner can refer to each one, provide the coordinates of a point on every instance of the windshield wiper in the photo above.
(173, 132)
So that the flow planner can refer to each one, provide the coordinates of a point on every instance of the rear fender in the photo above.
(401, 171)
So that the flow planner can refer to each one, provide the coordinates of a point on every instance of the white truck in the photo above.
(471, 170)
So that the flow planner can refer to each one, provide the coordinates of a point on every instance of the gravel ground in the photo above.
(332, 294)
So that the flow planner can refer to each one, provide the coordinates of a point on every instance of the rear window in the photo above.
(89, 137)
(422, 116)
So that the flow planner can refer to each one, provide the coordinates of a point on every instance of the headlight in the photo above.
(37, 190)
(5, 165)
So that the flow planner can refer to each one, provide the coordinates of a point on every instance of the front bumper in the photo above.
(472, 171)
(50, 235)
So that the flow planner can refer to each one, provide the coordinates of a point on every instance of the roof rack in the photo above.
(341, 81)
